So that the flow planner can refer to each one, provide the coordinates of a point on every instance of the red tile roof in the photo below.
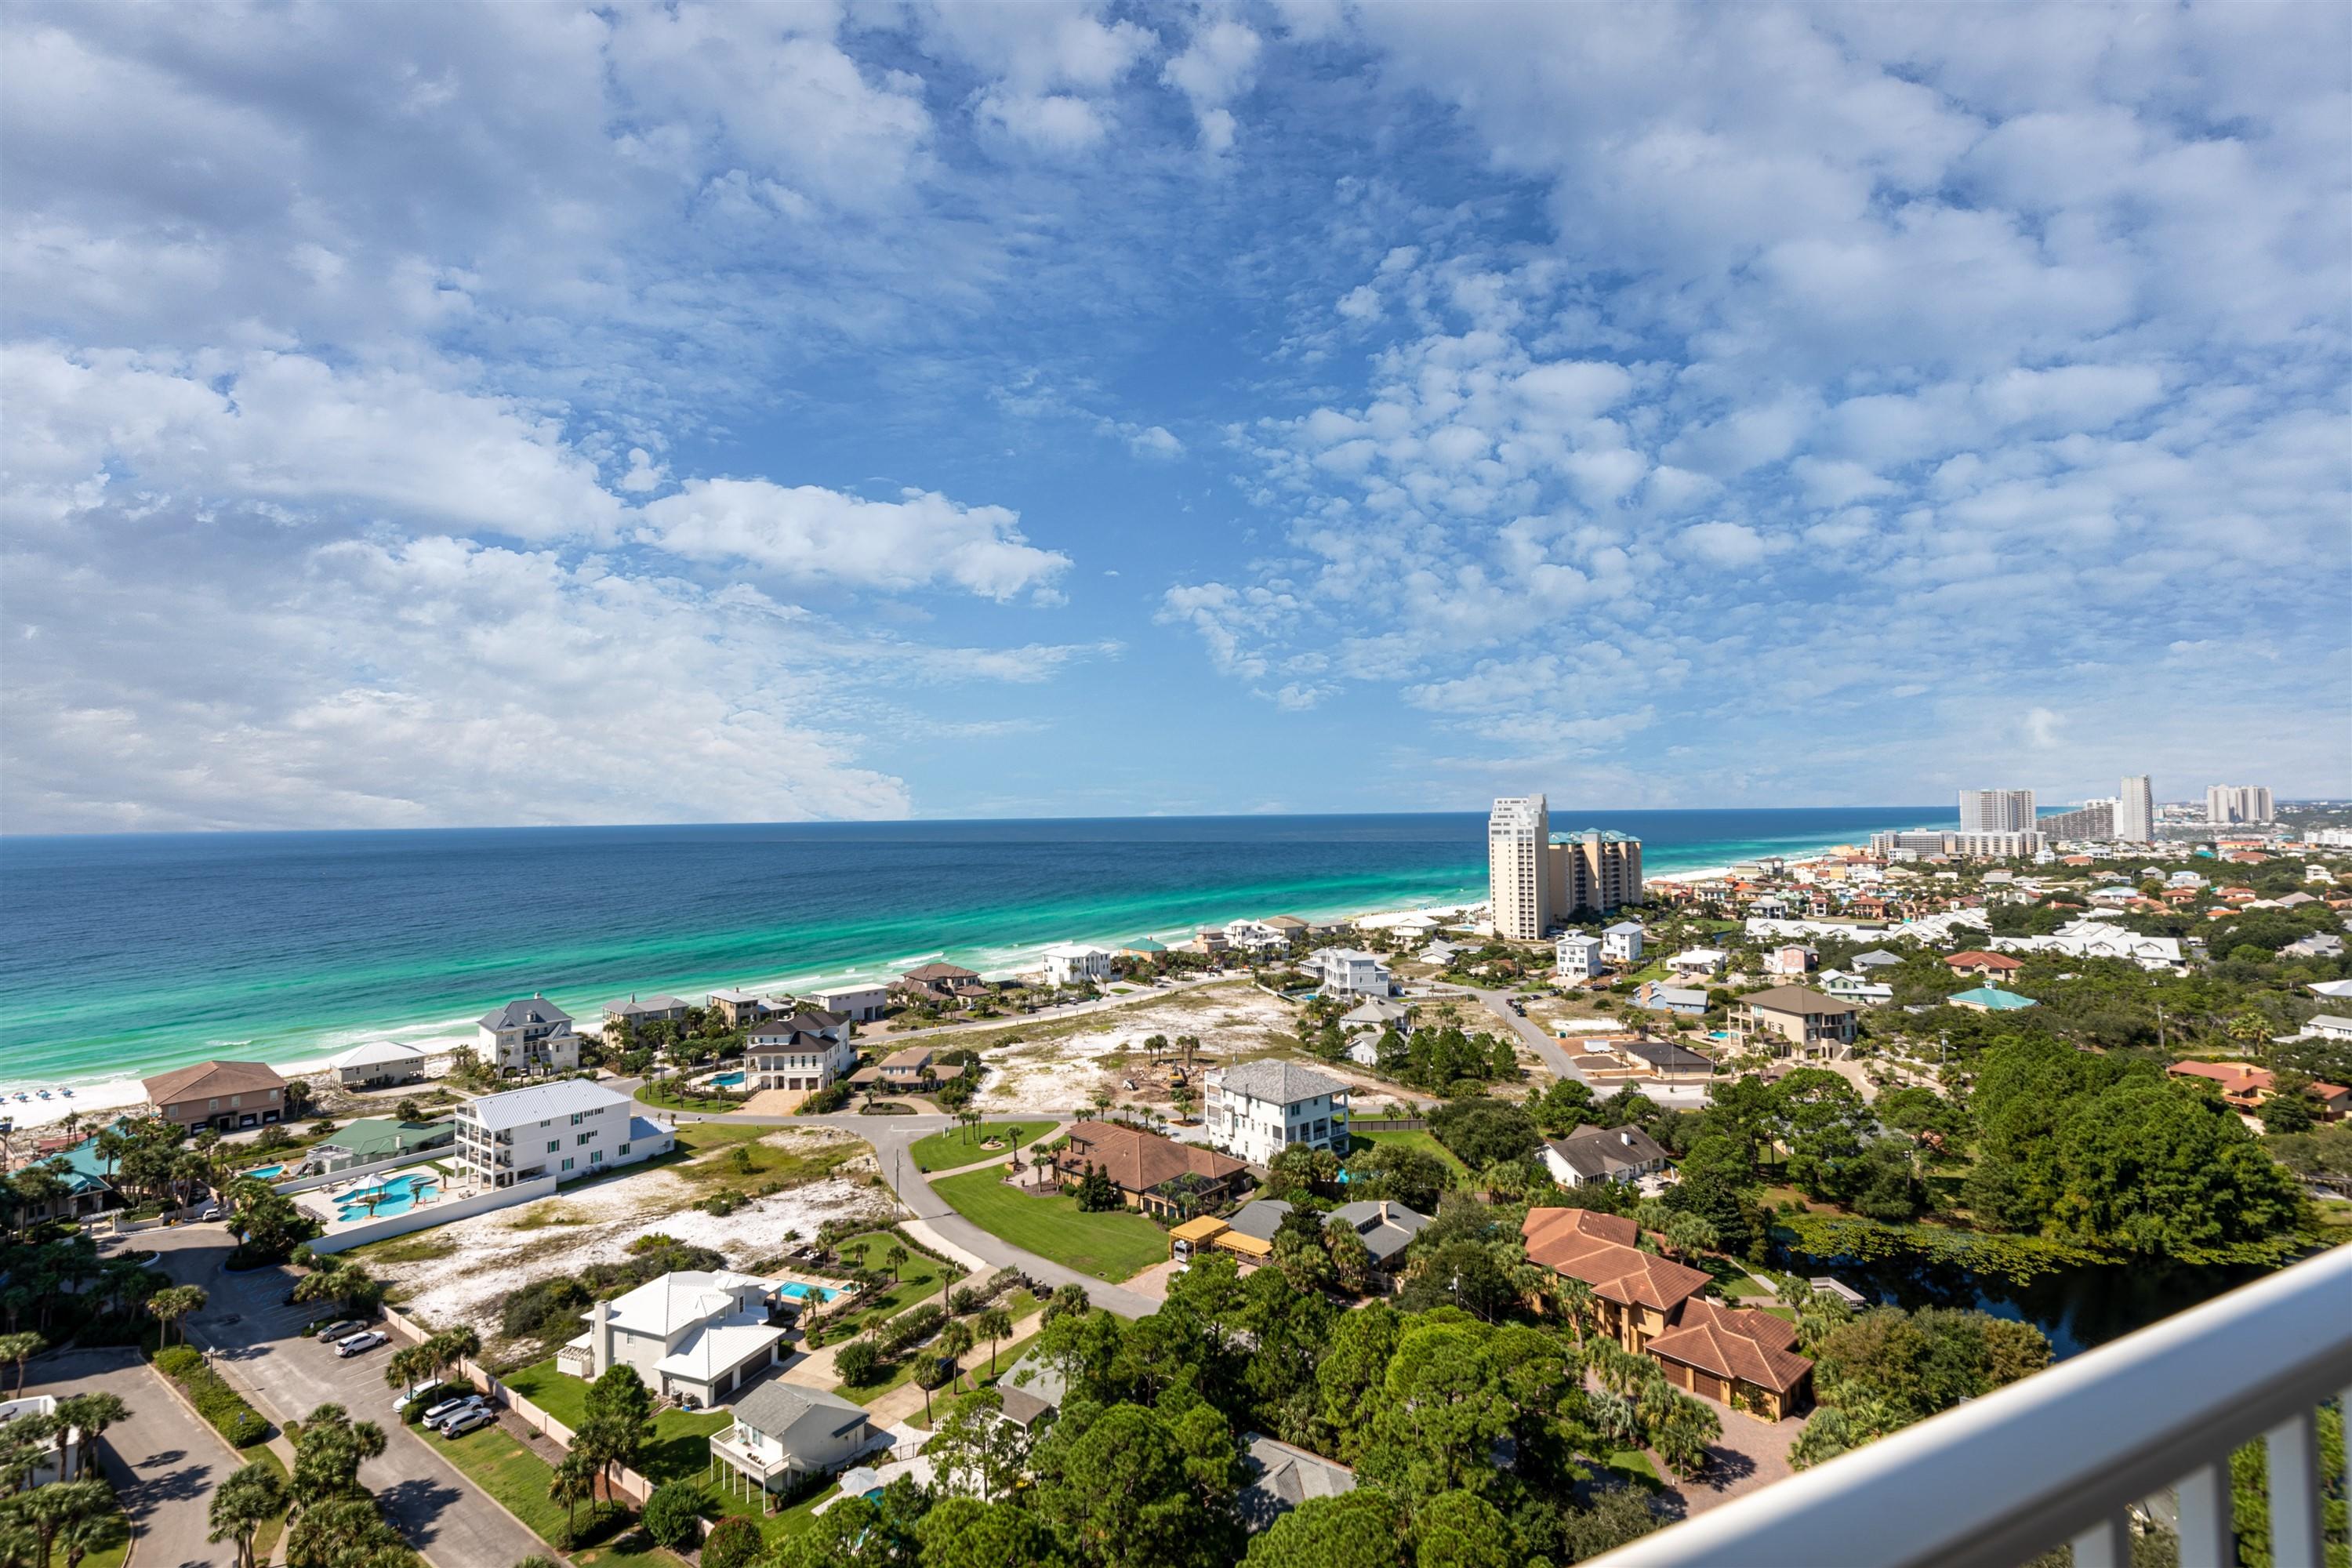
(1976, 960)
(1600, 1249)
(1735, 1342)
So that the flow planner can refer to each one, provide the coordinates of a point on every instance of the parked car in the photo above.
(449, 1408)
(411, 1395)
(214, 1211)
(335, 1328)
(466, 1421)
(460, 1408)
(365, 1340)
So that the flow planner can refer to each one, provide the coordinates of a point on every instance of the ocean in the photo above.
(123, 955)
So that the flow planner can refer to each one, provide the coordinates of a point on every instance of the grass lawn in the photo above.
(918, 1279)
(510, 1472)
(680, 1448)
(1109, 1246)
(265, 1540)
(1425, 1141)
(962, 1146)
(1634, 1465)
(1739, 1287)
(559, 1394)
(668, 1095)
(635, 1550)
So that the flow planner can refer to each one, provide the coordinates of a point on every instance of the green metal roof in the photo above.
(1994, 999)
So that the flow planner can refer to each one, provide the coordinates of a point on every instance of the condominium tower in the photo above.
(1996, 811)
(2092, 819)
(2238, 802)
(1537, 879)
(2136, 811)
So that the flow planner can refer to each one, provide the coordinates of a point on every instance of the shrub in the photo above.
(599, 1521)
(722, 1204)
(221, 1407)
(734, 1543)
(916, 1323)
(858, 1363)
(965, 1300)
(674, 1513)
(543, 1304)
(178, 1360)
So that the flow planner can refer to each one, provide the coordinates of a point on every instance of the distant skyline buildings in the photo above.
(1536, 879)
(2238, 802)
(2136, 810)
(1996, 811)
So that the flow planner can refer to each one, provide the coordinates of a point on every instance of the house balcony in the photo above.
(767, 1474)
(2068, 1456)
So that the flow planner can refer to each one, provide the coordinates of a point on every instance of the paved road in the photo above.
(1498, 1003)
(257, 1344)
(892, 1136)
(163, 1462)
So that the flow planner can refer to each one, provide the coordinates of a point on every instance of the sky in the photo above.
(515, 414)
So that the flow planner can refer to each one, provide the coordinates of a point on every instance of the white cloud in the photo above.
(1217, 67)
(1724, 544)
(807, 532)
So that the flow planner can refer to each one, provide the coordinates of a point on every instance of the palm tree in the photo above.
(100, 1532)
(91, 1414)
(573, 1483)
(931, 1372)
(1575, 1299)
(52, 1511)
(21, 1348)
(169, 1305)
(956, 1342)
(897, 1260)
(242, 1504)
(996, 1325)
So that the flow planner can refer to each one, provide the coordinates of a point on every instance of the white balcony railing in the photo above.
(2064, 1456)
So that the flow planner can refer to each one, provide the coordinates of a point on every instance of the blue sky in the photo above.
(515, 414)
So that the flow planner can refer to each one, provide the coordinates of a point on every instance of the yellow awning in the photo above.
(1235, 1241)
(1200, 1229)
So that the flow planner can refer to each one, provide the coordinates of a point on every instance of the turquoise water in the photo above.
(800, 1292)
(131, 953)
(263, 1172)
(401, 1194)
(727, 1079)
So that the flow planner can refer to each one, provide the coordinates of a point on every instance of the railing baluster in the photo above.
(2293, 1450)
(2106, 1545)
(2207, 1539)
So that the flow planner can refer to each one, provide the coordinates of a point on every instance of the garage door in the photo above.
(1713, 1387)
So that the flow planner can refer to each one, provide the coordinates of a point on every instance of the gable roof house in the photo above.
(1644, 1301)
(786, 1432)
(377, 1063)
(533, 1036)
(946, 985)
(1281, 1478)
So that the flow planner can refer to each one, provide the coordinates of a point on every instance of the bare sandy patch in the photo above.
(1059, 1070)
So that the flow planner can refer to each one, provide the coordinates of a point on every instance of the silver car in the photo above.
(466, 1421)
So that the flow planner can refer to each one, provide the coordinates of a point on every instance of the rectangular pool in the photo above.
(793, 1290)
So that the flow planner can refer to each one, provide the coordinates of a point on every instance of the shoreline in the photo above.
(95, 1093)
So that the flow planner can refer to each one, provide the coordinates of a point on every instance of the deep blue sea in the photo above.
(122, 956)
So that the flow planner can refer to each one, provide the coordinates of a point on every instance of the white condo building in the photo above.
(2238, 802)
(1996, 811)
(1519, 839)
(1259, 1109)
(2136, 811)
(567, 1130)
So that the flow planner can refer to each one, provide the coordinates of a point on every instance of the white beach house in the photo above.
(699, 1334)
(785, 1433)
(378, 1063)
(1352, 972)
(806, 1050)
(1077, 964)
(1576, 956)
(565, 1129)
(533, 1036)
(1259, 1109)
(1622, 944)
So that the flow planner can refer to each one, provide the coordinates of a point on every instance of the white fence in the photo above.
(426, 1216)
(2064, 1454)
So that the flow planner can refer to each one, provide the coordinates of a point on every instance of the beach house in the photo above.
(1622, 944)
(738, 1008)
(531, 1037)
(1281, 1477)
(804, 1049)
(378, 1064)
(1793, 1018)
(1352, 972)
(1576, 956)
(698, 1334)
(567, 1130)
(1593, 1154)
(1077, 964)
(1657, 996)
(637, 1012)
(1259, 1109)
(942, 984)
(859, 1003)
(785, 1435)
(219, 1095)
(1156, 1174)
(1698, 963)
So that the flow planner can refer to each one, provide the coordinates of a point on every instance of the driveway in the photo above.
(258, 1345)
(1538, 1040)
(163, 1462)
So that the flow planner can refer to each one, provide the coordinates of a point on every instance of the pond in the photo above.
(2078, 1307)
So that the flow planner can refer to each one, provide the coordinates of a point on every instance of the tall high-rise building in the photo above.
(1518, 869)
(1996, 811)
(2136, 811)
(1537, 879)
(2238, 802)
(2092, 819)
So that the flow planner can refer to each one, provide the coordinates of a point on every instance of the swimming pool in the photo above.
(793, 1290)
(726, 1080)
(401, 1194)
(263, 1172)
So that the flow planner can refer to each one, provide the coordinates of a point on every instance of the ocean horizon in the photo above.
(128, 954)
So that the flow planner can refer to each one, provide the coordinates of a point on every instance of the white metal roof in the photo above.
(540, 1102)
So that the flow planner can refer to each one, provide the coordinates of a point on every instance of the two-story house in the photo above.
(224, 1096)
(531, 1037)
(697, 1333)
(1622, 944)
(786, 1434)
(567, 1130)
(915, 1069)
(1603, 1155)
(739, 1007)
(1651, 1307)
(1259, 1109)
(638, 1011)
(1352, 972)
(807, 1049)
(1793, 1018)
